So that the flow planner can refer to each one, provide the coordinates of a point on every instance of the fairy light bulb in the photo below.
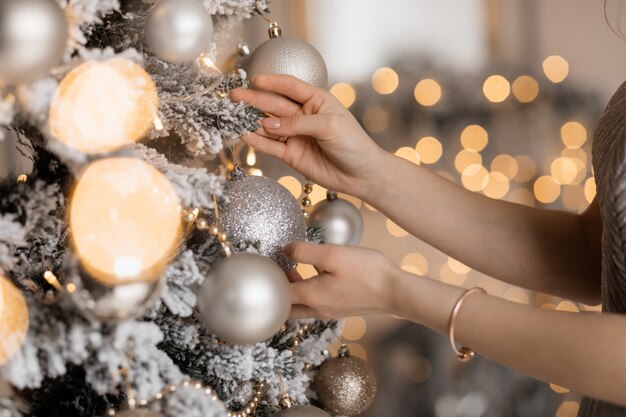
(102, 106)
(125, 220)
(14, 319)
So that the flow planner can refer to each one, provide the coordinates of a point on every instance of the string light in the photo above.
(496, 88)
(556, 68)
(546, 189)
(52, 280)
(385, 80)
(427, 92)
(22, 178)
(251, 157)
(429, 150)
(573, 135)
(473, 177)
(474, 138)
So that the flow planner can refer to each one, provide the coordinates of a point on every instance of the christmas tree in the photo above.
(121, 291)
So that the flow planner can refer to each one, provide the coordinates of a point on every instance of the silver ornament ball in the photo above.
(244, 299)
(98, 301)
(345, 385)
(178, 31)
(340, 221)
(287, 55)
(260, 210)
(302, 411)
(33, 36)
(139, 412)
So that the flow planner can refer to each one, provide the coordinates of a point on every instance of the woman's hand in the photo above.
(325, 143)
(351, 282)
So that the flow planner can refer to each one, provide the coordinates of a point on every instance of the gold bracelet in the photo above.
(464, 354)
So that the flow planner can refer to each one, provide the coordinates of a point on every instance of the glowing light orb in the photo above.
(496, 88)
(556, 68)
(103, 106)
(14, 319)
(125, 220)
(345, 93)
(427, 92)
(385, 81)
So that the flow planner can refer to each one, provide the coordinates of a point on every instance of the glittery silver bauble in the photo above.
(287, 55)
(139, 412)
(345, 385)
(178, 31)
(340, 221)
(260, 210)
(244, 299)
(33, 35)
(121, 302)
(302, 411)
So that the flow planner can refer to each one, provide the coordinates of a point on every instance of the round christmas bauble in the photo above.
(261, 211)
(340, 221)
(287, 55)
(345, 385)
(244, 299)
(139, 412)
(302, 411)
(178, 31)
(111, 303)
(33, 35)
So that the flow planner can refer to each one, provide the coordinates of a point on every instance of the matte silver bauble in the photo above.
(345, 385)
(139, 412)
(33, 35)
(287, 55)
(178, 31)
(340, 221)
(111, 303)
(302, 411)
(261, 211)
(244, 299)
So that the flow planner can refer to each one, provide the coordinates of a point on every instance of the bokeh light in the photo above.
(345, 93)
(546, 189)
(376, 119)
(385, 80)
(14, 319)
(354, 328)
(395, 230)
(567, 408)
(521, 196)
(525, 89)
(506, 165)
(415, 263)
(447, 275)
(516, 295)
(496, 88)
(590, 189)
(457, 266)
(318, 194)
(573, 135)
(409, 154)
(292, 184)
(429, 149)
(427, 92)
(556, 68)
(473, 177)
(474, 138)
(526, 168)
(573, 197)
(466, 158)
(125, 220)
(102, 106)
(495, 185)
(563, 170)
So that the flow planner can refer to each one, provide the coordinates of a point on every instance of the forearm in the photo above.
(591, 359)
(537, 249)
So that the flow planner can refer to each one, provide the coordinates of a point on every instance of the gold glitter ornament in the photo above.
(261, 211)
(345, 385)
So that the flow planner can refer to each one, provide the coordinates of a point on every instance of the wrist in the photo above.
(371, 185)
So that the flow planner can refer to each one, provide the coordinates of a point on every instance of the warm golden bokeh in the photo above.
(556, 68)
(385, 80)
(473, 177)
(447, 275)
(125, 220)
(506, 165)
(102, 106)
(376, 119)
(526, 168)
(546, 189)
(590, 189)
(458, 267)
(495, 185)
(429, 149)
(466, 158)
(525, 88)
(13, 319)
(292, 184)
(427, 92)
(415, 263)
(395, 230)
(409, 154)
(345, 93)
(496, 88)
(354, 328)
(474, 138)
(573, 135)
(563, 170)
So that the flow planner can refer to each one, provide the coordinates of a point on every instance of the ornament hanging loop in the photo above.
(274, 31)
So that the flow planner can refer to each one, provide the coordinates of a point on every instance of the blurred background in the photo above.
(499, 96)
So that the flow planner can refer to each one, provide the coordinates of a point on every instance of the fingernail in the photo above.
(271, 123)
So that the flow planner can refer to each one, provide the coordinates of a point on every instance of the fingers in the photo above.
(266, 101)
(316, 125)
(294, 276)
(321, 256)
(288, 86)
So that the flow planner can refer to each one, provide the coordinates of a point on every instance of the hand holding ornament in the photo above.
(326, 143)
